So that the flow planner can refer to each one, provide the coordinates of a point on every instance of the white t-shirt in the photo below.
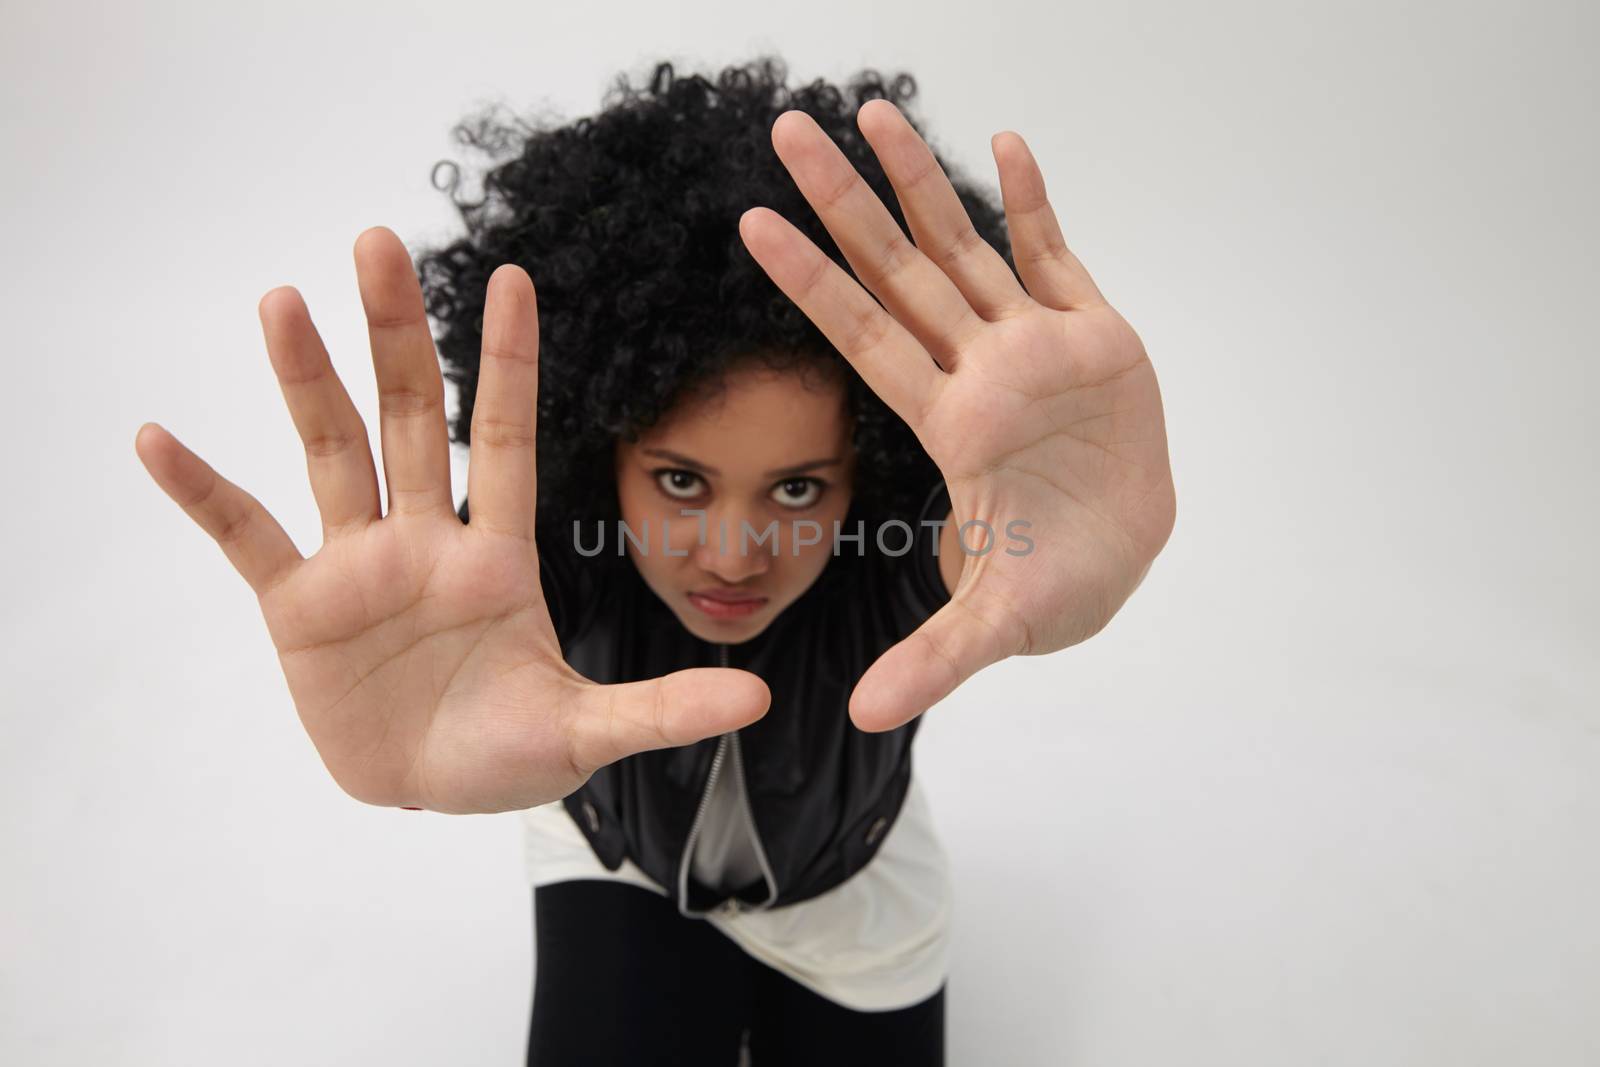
(878, 941)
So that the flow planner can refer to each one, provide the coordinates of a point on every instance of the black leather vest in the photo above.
(821, 792)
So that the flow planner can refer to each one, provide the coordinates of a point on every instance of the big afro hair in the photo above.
(627, 222)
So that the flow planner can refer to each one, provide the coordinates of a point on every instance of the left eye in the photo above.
(797, 492)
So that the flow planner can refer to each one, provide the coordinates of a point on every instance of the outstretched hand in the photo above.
(418, 650)
(1034, 397)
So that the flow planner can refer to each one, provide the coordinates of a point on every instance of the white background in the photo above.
(1324, 793)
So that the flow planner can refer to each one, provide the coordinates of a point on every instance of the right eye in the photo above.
(679, 484)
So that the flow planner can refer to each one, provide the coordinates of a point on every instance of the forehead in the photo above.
(758, 417)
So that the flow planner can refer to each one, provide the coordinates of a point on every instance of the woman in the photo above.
(772, 521)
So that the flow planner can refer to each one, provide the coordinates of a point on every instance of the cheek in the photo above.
(633, 495)
(813, 558)
(640, 503)
(641, 522)
(656, 520)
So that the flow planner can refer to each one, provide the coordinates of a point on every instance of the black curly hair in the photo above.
(627, 222)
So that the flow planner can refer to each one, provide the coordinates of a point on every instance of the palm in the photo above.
(1072, 445)
(421, 675)
(418, 650)
(1038, 404)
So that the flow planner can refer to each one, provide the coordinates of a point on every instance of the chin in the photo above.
(728, 632)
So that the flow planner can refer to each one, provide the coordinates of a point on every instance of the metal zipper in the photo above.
(755, 835)
(694, 832)
(726, 742)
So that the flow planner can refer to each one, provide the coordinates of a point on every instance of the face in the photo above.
(770, 449)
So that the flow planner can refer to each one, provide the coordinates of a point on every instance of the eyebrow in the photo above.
(694, 464)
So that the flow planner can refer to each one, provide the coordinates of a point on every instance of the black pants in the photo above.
(621, 978)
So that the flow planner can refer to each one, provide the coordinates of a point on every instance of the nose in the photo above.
(728, 555)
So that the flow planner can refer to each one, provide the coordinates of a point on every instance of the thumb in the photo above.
(613, 721)
(954, 643)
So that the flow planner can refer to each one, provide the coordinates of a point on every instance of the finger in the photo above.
(247, 534)
(501, 475)
(939, 222)
(915, 291)
(891, 361)
(344, 480)
(416, 444)
(952, 645)
(680, 708)
(1051, 272)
